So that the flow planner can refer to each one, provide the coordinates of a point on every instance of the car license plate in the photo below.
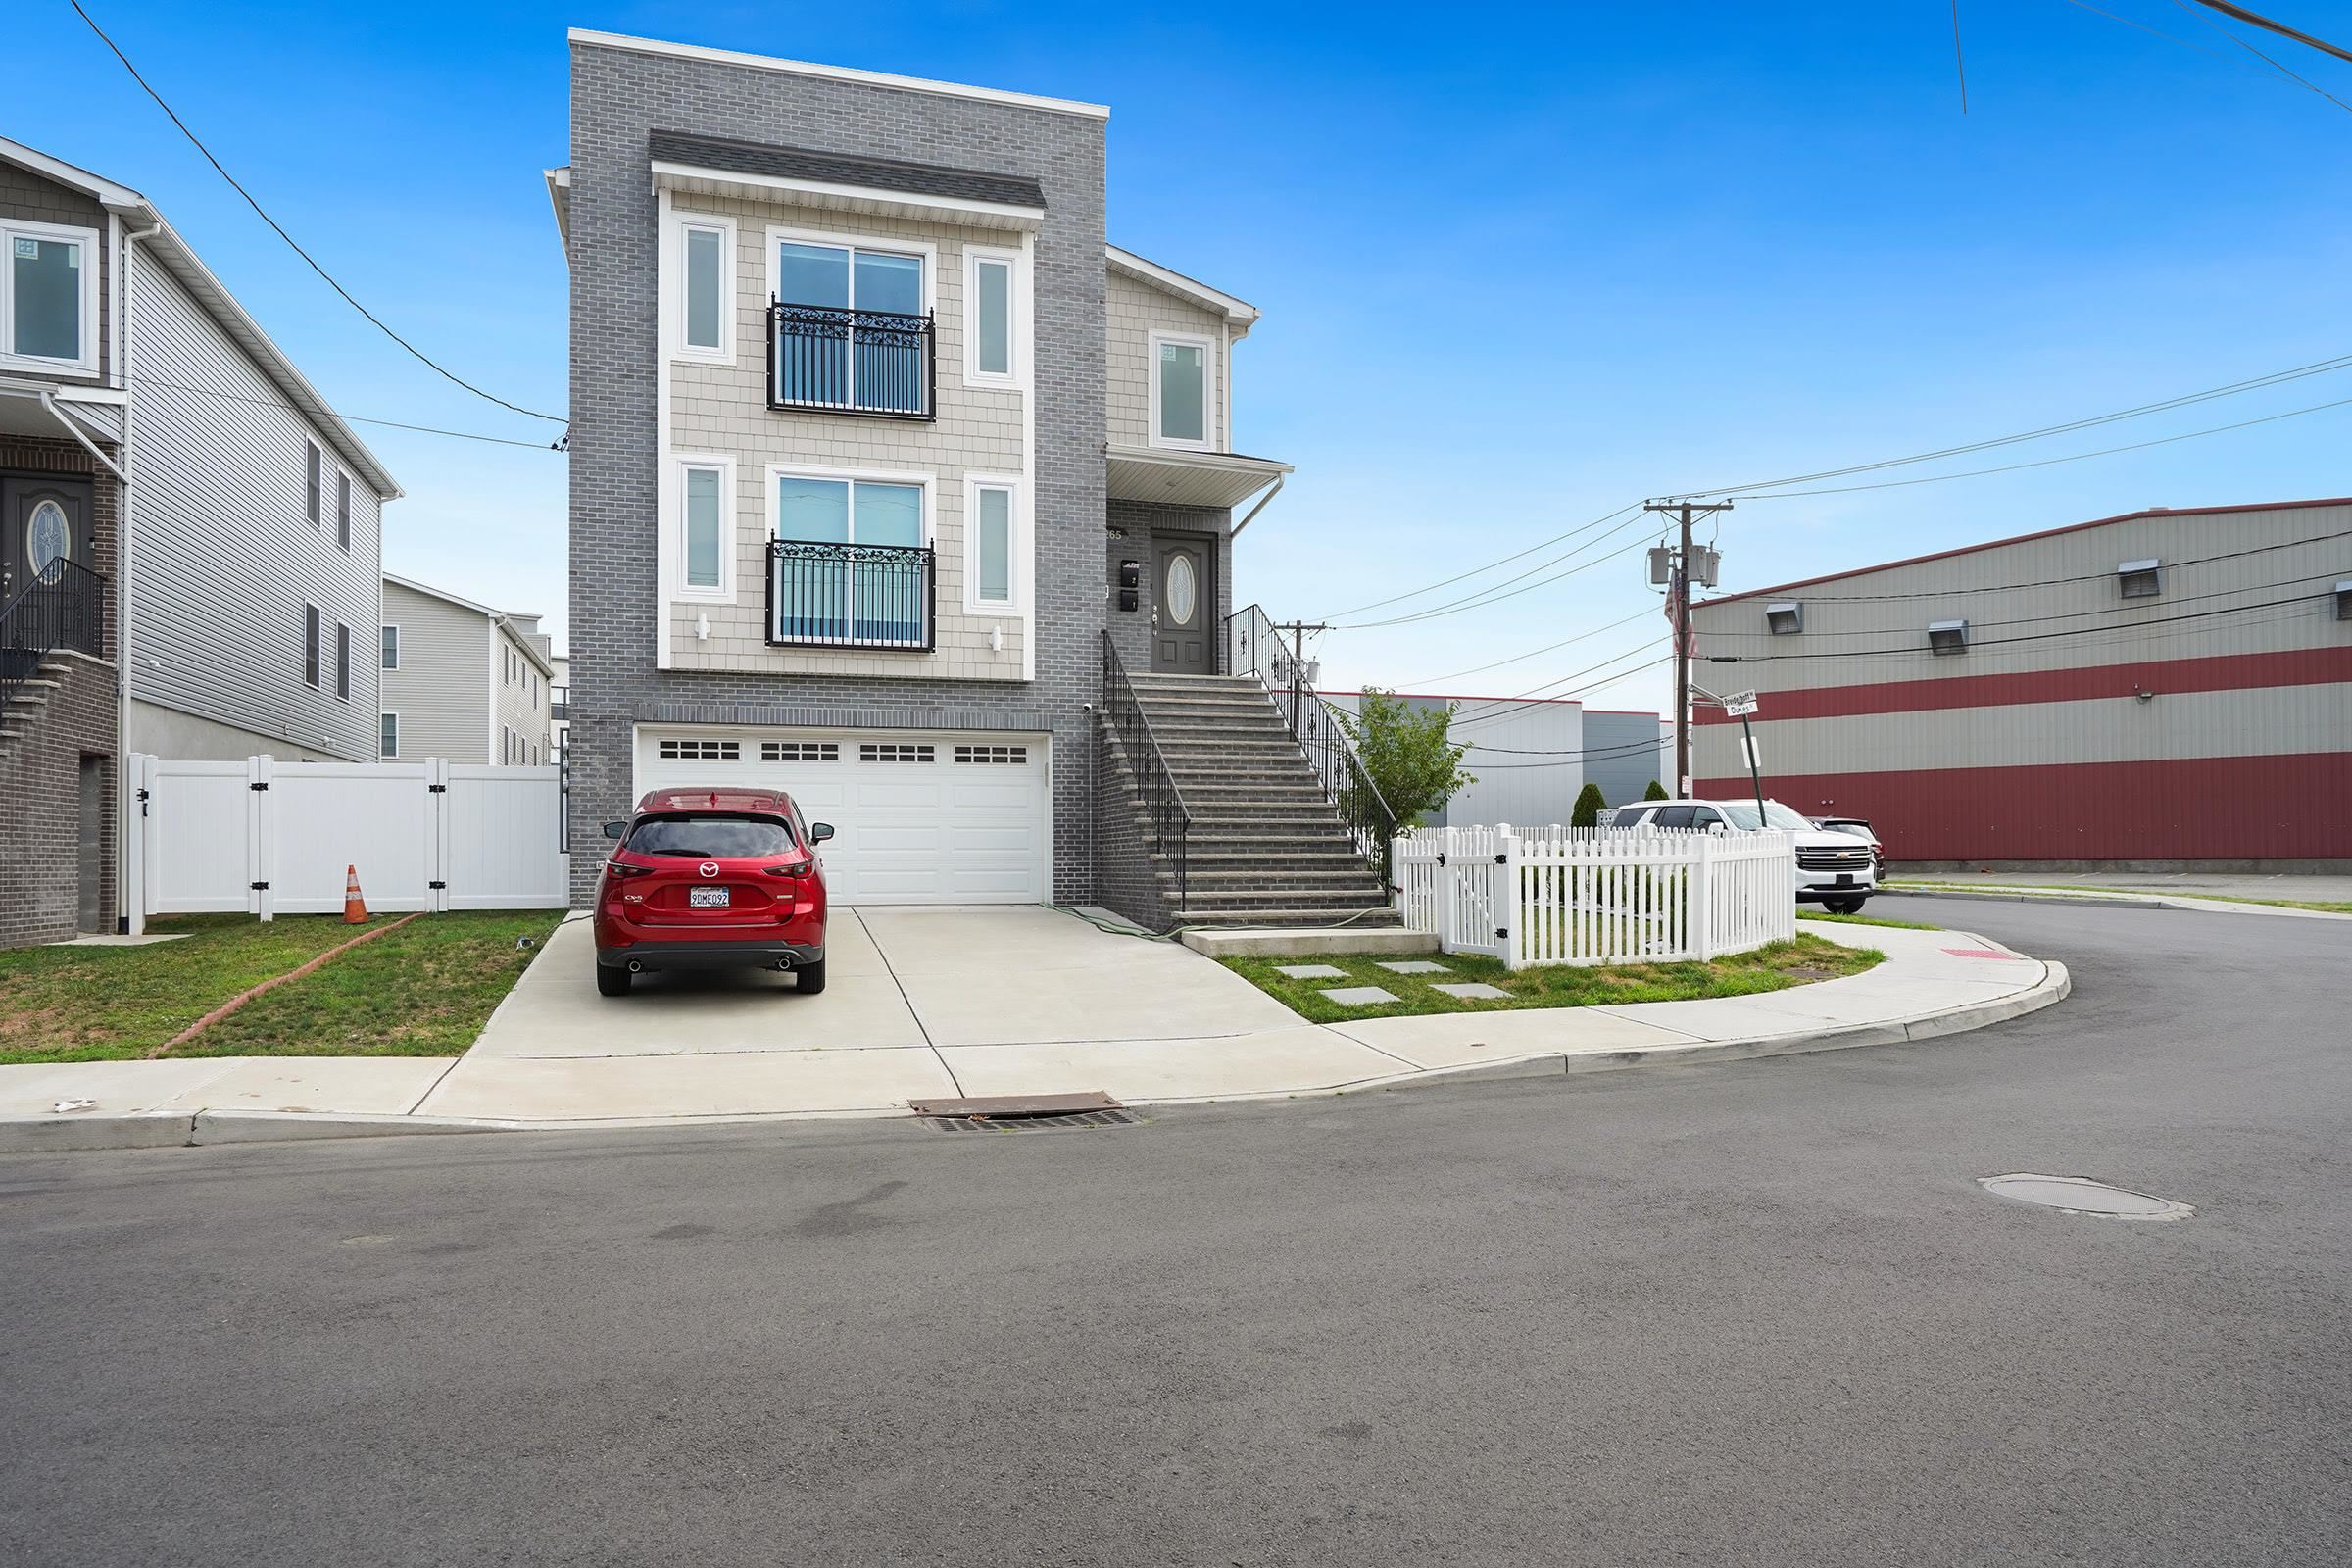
(709, 898)
(1845, 880)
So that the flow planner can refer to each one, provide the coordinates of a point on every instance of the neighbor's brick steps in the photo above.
(1267, 847)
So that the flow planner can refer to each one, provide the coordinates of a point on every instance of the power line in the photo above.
(1489, 710)
(1494, 595)
(2275, 378)
(2255, 19)
(2275, 65)
(2027, 637)
(195, 141)
(1589, 750)
(2036, 582)
(1432, 680)
(350, 419)
(2211, 54)
(2045, 463)
(1488, 566)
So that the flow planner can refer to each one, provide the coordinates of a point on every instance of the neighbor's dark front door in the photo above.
(1183, 608)
(41, 520)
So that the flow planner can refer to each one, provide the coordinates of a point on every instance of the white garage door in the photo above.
(917, 818)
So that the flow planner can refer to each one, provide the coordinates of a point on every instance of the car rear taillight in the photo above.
(616, 869)
(790, 869)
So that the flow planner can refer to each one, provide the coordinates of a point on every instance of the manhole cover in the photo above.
(1024, 1114)
(2080, 1194)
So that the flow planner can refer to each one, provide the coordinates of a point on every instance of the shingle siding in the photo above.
(27, 195)
(1135, 311)
(618, 98)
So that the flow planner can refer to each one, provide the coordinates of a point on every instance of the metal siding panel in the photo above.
(223, 558)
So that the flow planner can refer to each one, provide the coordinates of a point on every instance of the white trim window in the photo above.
(996, 544)
(703, 541)
(848, 346)
(48, 297)
(387, 735)
(701, 304)
(390, 653)
(1184, 375)
(992, 317)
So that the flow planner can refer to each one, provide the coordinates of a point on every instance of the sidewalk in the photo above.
(1933, 983)
(2215, 892)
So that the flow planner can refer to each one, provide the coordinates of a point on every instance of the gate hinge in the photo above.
(1502, 931)
(1499, 859)
(1441, 860)
(257, 786)
(436, 884)
(436, 789)
(259, 887)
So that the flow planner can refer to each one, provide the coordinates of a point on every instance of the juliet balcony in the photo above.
(851, 596)
(828, 360)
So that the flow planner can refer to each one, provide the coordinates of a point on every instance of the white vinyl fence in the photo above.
(1556, 895)
(272, 838)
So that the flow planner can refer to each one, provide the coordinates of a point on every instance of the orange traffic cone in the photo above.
(355, 908)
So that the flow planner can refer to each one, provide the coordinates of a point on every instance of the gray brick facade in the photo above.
(620, 97)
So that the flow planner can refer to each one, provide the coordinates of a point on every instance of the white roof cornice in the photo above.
(1126, 263)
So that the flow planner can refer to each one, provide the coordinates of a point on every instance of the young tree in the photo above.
(1588, 807)
(1406, 749)
(1656, 792)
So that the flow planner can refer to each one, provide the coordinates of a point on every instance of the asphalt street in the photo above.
(1753, 1314)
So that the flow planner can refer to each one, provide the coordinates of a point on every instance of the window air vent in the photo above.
(2343, 599)
(1947, 636)
(1784, 620)
(2140, 579)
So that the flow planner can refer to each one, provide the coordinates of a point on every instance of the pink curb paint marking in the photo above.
(1978, 953)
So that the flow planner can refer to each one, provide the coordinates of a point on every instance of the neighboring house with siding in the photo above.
(463, 681)
(881, 457)
(171, 485)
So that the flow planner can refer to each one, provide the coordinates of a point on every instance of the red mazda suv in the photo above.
(713, 879)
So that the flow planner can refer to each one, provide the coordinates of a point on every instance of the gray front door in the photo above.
(1183, 608)
(40, 520)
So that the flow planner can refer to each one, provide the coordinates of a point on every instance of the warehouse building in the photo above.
(1531, 755)
(2164, 688)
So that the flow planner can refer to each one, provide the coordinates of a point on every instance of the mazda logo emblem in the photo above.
(709, 868)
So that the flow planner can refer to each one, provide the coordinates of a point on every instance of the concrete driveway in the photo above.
(903, 979)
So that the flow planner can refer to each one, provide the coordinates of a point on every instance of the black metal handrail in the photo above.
(1171, 819)
(830, 360)
(851, 596)
(62, 606)
(1255, 647)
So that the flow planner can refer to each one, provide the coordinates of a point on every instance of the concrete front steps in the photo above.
(1267, 849)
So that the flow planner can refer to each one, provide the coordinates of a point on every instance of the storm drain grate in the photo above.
(1024, 1114)
(1070, 1122)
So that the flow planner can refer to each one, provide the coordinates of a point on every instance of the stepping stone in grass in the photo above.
(1473, 992)
(1359, 996)
(1415, 967)
(1310, 971)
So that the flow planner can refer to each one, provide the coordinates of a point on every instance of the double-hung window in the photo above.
(989, 324)
(310, 645)
(49, 296)
(1182, 369)
(387, 743)
(312, 482)
(391, 650)
(343, 662)
(850, 563)
(343, 509)
(852, 332)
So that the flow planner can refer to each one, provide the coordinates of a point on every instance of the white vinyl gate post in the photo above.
(1506, 904)
(138, 787)
(1448, 877)
(261, 858)
(1703, 900)
(436, 834)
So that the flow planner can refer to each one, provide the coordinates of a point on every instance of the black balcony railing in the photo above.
(850, 595)
(62, 606)
(851, 361)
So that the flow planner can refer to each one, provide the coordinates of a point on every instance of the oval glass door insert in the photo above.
(1183, 591)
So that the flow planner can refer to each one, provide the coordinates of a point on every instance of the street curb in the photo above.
(2055, 986)
(2193, 902)
(160, 1129)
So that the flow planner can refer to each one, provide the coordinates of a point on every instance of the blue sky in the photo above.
(1516, 273)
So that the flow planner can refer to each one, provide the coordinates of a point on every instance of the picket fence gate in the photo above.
(270, 838)
(1590, 896)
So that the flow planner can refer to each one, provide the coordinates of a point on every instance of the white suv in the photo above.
(1835, 870)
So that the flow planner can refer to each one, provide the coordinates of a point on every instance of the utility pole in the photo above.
(1678, 588)
(1298, 630)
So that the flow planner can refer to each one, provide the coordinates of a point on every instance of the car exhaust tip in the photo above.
(635, 968)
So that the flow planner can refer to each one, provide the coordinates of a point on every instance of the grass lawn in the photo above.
(421, 990)
(1771, 967)
(1867, 919)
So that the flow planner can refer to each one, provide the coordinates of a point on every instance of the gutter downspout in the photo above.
(129, 920)
(1260, 506)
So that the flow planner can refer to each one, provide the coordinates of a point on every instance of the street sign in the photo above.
(1741, 706)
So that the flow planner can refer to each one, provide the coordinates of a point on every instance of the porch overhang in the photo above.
(1222, 479)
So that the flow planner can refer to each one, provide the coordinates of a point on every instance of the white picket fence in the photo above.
(272, 838)
(1559, 895)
